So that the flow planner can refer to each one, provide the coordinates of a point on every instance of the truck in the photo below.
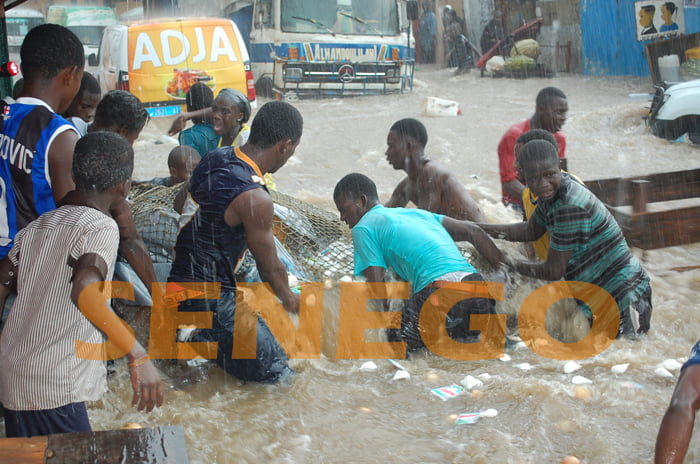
(333, 47)
(87, 22)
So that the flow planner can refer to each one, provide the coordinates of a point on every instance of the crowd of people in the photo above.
(66, 217)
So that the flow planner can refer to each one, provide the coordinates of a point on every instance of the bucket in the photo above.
(434, 106)
(669, 68)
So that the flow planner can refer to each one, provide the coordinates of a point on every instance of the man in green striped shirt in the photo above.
(586, 243)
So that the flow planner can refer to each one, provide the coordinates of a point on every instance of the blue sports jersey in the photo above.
(25, 186)
(412, 242)
(207, 248)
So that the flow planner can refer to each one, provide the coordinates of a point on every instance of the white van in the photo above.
(158, 61)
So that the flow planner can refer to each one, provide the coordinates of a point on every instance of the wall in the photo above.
(561, 24)
(609, 38)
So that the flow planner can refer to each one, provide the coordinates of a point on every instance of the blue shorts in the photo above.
(69, 418)
(694, 357)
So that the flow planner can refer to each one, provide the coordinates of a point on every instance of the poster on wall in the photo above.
(656, 19)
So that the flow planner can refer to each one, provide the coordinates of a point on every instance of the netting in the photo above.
(319, 245)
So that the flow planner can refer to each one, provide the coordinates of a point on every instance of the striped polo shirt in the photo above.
(38, 362)
(580, 223)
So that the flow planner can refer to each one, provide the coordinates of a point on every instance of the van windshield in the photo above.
(20, 26)
(357, 17)
(88, 35)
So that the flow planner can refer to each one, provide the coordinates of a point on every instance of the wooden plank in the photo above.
(667, 186)
(23, 450)
(664, 229)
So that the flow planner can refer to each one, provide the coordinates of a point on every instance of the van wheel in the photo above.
(263, 87)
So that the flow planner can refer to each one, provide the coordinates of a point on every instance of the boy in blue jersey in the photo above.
(586, 243)
(419, 246)
(36, 143)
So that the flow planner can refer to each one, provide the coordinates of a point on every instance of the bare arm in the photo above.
(470, 232)
(400, 197)
(515, 232)
(254, 210)
(677, 425)
(61, 163)
(180, 121)
(132, 245)
(455, 201)
(376, 274)
(514, 188)
(145, 379)
(552, 269)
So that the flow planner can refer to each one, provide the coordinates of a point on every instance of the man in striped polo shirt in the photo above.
(49, 370)
(586, 243)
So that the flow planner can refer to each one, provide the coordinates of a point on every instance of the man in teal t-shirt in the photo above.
(419, 246)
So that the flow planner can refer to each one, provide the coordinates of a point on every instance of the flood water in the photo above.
(333, 412)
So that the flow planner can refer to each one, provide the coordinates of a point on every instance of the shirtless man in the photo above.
(429, 185)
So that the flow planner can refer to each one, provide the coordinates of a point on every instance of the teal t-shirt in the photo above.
(412, 242)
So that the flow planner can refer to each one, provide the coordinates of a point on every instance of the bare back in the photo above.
(436, 189)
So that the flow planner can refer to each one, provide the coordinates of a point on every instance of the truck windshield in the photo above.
(357, 17)
(88, 35)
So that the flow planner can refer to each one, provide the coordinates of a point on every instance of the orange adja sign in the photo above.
(304, 341)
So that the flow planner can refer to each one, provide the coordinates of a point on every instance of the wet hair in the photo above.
(538, 151)
(538, 134)
(178, 155)
(49, 48)
(89, 85)
(199, 97)
(412, 128)
(354, 186)
(546, 95)
(119, 108)
(670, 7)
(274, 122)
(102, 160)
(240, 100)
(649, 9)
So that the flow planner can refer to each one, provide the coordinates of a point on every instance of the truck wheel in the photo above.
(263, 87)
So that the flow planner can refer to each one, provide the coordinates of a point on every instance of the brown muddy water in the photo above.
(334, 412)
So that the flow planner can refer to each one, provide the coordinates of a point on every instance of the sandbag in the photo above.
(526, 47)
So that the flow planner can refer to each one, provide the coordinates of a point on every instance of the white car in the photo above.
(675, 110)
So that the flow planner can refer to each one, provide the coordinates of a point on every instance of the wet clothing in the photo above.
(428, 33)
(201, 137)
(694, 357)
(28, 129)
(457, 319)
(41, 370)
(208, 250)
(541, 245)
(506, 156)
(411, 241)
(578, 222)
(66, 419)
(491, 35)
(417, 247)
(241, 137)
